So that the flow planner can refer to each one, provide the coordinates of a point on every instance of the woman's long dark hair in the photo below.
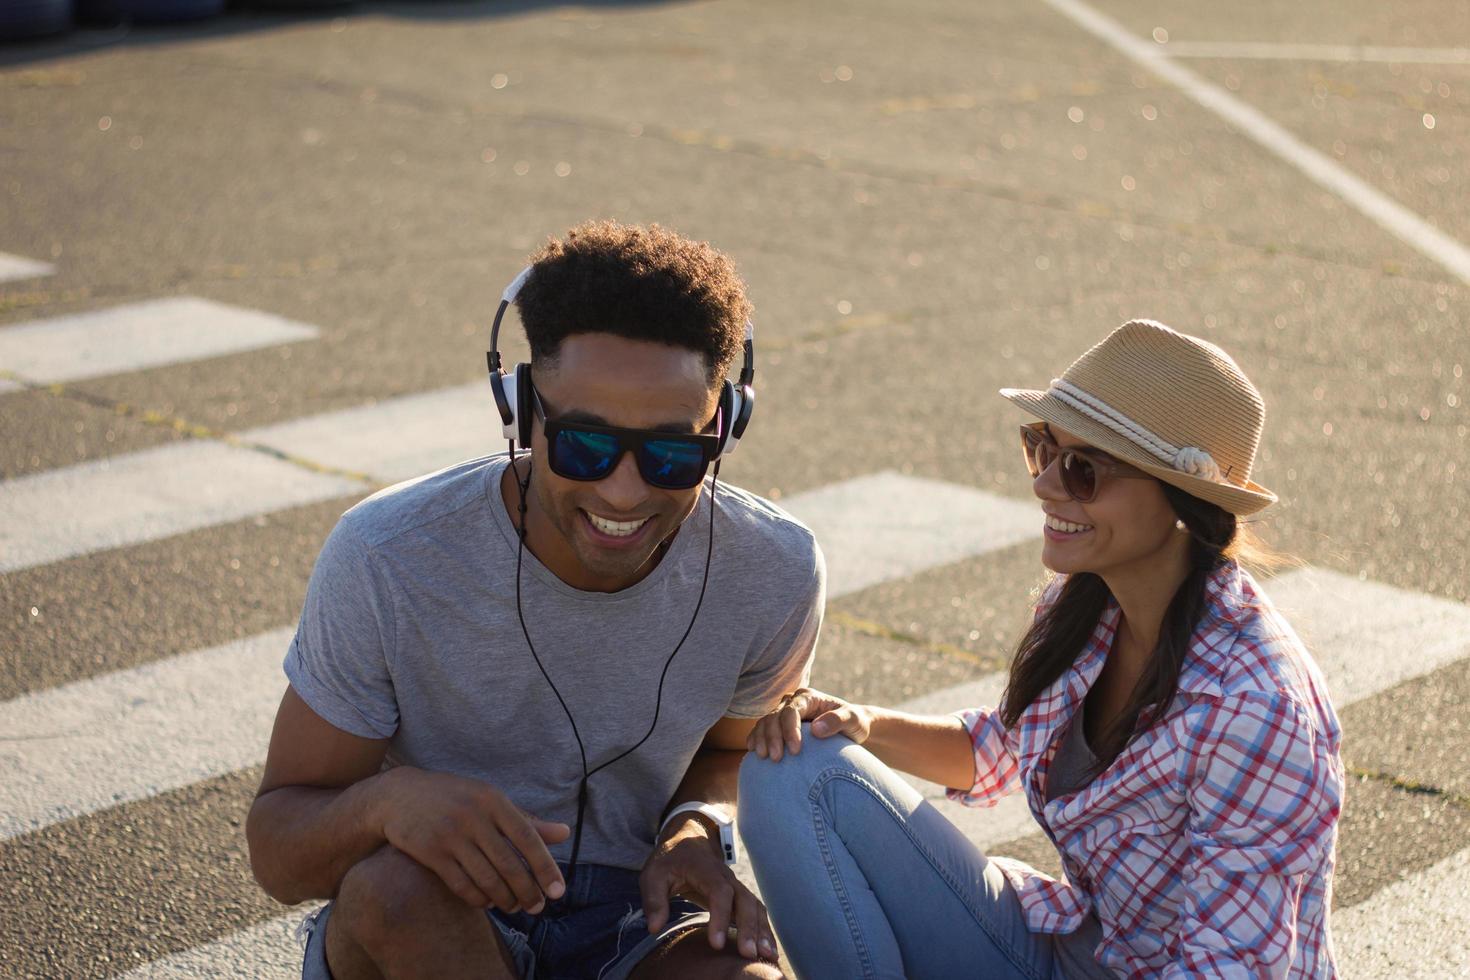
(1052, 644)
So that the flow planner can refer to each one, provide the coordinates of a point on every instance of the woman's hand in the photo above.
(780, 731)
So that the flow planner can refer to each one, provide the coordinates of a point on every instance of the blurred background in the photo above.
(249, 255)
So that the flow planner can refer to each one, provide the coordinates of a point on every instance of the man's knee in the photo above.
(388, 892)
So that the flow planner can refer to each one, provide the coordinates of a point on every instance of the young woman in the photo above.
(1172, 736)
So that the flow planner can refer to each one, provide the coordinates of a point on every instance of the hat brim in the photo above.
(1238, 500)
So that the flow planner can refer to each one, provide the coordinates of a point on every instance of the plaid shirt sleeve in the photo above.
(1264, 791)
(997, 773)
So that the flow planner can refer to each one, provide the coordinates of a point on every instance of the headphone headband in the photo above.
(737, 399)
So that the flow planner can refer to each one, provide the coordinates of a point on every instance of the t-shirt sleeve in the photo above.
(785, 663)
(339, 661)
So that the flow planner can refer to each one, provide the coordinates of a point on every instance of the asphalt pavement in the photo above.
(928, 200)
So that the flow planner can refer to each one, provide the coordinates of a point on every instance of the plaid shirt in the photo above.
(1206, 848)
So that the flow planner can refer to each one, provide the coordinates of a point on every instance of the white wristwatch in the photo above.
(720, 818)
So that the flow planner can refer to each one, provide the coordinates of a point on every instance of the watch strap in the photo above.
(717, 816)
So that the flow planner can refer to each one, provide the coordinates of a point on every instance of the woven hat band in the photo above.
(1186, 459)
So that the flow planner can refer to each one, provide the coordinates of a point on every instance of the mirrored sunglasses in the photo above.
(669, 461)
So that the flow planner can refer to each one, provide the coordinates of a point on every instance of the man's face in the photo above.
(608, 380)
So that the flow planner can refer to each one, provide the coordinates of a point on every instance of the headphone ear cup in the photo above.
(728, 412)
(524, 411)
(745, 398)
(503, 388)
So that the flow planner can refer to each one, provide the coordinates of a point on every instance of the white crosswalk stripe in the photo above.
(1412, 930)
(887, 526)
(268, 951)
(16, 267)
(128, 735)
(395, 439)
(143, 496)
(136, 336)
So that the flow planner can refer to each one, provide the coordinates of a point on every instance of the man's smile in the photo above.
(615, 533)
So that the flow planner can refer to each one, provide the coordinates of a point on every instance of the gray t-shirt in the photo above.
(410, 633)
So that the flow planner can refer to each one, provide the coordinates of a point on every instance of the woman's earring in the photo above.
(1179, 525)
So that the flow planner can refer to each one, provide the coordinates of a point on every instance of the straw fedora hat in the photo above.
(1173, 405)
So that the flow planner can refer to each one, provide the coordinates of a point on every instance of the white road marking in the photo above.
(1389, 214)
(13, 267)
(1367, 636)
(269, 951)
(1273, 50)
(888, 526)
(136, 336)
(1412, 930)
(135, 733)
(397, 438)
(143, 496)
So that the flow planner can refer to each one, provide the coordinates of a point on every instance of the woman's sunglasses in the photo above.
(1082, 472)
(669, 461)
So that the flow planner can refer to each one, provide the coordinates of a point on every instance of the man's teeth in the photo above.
(1057, 524)
(618, 529)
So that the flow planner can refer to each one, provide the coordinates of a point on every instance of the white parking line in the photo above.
(889, 526)
(1387, 213)
(13, 267)
(269, 951)
(155, 493)
(136, 336)
(397, 438)
(1273, 50)
(124, 736)
(145, 496)
(1412, 930)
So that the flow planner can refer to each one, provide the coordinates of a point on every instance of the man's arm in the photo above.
(316, 812)
(323, 805)
(687, 857)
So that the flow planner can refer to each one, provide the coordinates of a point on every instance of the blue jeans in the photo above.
(597, 931)
(863, 878)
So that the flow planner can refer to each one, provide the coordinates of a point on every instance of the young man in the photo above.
(500, 654)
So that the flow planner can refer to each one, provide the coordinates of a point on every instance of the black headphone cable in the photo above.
(524, 487)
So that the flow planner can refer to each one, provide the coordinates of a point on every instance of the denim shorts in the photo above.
(597, 932)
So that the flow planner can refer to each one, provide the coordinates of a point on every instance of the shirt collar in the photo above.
(1230, 593)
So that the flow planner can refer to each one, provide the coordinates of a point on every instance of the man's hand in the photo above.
(480, 844)
(687, 860)
(780, 731)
